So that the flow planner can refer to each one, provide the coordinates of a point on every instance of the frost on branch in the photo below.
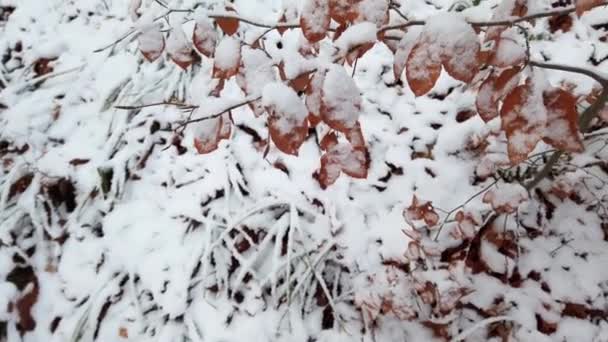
(341, 100)
(315, 20)
(227, 58)
(287, 117)
(448, 40)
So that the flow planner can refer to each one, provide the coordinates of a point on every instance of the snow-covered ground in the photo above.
(111, 229)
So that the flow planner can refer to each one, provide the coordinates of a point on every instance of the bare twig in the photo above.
(176, 104)
(220, 113)
(507, 22)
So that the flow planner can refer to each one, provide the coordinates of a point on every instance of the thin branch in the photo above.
(253, 22)
(507, 22)
(177, 104)
(125, 36)
(220, 113)
(394, 7)
(599, 78)
(513, 21)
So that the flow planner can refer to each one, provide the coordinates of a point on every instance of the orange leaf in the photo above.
(340, 101)
(422, 69)
(374, 11)
(204, 37)
(151, 43)
(313, 97)
(287, 141)
(315, 20)
(301, 82)
(461, 57)
(583, 6)
(329, 140)
(287, 119)
(523, 119)
(493, 90)
(343, 11)
(402, 51)
(507, 52)
(178, 49)
(207, 135)
(342, 158)
(123, 332)
(421, 210)
(228, 25)
(562, 131)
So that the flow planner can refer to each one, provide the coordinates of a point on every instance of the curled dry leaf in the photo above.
(315, 20)
(227, 58)
(287, 119)
(204, 36)
(179, 49)
(493, 90)
(562, 130)
(524, 118)
(467, 224)
(151, 43)
(340, 100)
(421, 210)
(227, 24)
(507, 198)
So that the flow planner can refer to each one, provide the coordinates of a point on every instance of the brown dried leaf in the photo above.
(562, 130)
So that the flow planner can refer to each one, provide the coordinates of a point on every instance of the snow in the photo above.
(356, 35)
(168, 208)
(285, 104)
(227, 53)
(341, 97)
